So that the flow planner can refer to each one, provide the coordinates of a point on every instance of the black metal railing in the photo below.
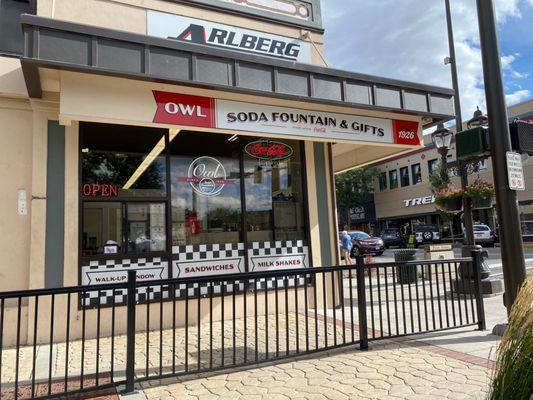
(52, 344)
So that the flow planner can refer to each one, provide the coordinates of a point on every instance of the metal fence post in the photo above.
(130, 342)
(480, 308)
(361, 304)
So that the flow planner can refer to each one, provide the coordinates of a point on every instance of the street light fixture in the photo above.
(442, 139)
(478, 120)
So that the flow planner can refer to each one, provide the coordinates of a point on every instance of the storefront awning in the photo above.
(56, 44)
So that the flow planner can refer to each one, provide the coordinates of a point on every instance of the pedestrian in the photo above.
(346, 247)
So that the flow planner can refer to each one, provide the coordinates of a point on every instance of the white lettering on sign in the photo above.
(229, 37)
(184, 109)
(200, 268)
(419, 201)
(515, 171)
(275, 263)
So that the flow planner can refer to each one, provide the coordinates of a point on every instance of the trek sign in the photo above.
(202, 32)
(187, 110)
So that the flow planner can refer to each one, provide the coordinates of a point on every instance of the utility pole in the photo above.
(467, 203)
(514, 270)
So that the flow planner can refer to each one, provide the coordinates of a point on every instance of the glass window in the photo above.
(393, 179)
(383, 181)
(274, 196)
(102, 228)
(104, 222)
(417, 174)
(432, 165)
(11, 36)
(206, 189)
(121, 161)
(404, 176)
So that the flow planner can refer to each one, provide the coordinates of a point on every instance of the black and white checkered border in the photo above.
(197, 252)
(278, 248)
(118, 296)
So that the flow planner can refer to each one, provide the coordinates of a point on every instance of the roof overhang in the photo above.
(56, 44)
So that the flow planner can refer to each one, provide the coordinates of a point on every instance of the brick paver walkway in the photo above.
(391, 370)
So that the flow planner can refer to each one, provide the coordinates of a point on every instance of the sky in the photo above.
(407, 40)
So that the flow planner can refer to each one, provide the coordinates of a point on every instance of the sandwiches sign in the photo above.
(188, 110)
(170, 26)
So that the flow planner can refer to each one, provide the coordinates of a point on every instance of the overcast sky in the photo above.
(407, 39)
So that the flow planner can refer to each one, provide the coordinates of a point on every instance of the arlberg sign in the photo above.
(419, 201)
(213, 34)
(187, 110)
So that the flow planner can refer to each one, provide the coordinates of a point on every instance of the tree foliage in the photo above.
(353, 189)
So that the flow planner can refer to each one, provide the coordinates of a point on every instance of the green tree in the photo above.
(353, 188)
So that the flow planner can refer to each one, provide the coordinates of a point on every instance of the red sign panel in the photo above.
(268, 150)
(184, 109)
(405, 132)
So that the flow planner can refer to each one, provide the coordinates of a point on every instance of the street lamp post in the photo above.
(442, 138)
(463, 172)
(514, 270)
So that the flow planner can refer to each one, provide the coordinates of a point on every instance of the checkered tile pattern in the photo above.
(279, 249)
(210, 252)
(115, 271)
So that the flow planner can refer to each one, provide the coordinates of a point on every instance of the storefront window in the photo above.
(274, 195)
(404, 176)
(417, 174)
(120, 164)
(383, 181)
(393, 179)
(206, 190)
(526, 219)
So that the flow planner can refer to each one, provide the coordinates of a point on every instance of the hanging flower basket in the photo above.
(481, 202)
(449, 199)
(481, 194)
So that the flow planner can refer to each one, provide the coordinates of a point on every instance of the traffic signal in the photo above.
(472, 144)
(522, 137)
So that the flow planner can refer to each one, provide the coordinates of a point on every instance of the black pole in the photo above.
(514, 270)
(130, 333)
(467, 204)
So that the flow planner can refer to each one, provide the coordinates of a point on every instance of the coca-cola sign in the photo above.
(207, 176)
(268, 150)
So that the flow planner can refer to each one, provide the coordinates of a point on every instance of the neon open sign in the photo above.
(99, 190)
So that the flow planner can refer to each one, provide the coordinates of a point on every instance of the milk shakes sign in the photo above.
(186, 110)
(218, 35)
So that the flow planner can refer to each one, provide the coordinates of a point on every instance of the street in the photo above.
(494, 261)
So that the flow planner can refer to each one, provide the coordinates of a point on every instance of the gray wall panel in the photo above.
(64, 46)
(415, 101)
(55, 207)
(442, 105)
(170, 64)
(388, 97)
(293, 82)
(327, 88)
(122, 56)
(322, 201)
(256, 77)
(358, 93)
(212, 70)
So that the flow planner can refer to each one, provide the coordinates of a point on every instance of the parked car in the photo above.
(363, 243)
(426, 233)
(393, 237)
(483, 235)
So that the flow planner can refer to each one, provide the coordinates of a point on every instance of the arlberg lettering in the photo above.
(209, 33)
(419, 201)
